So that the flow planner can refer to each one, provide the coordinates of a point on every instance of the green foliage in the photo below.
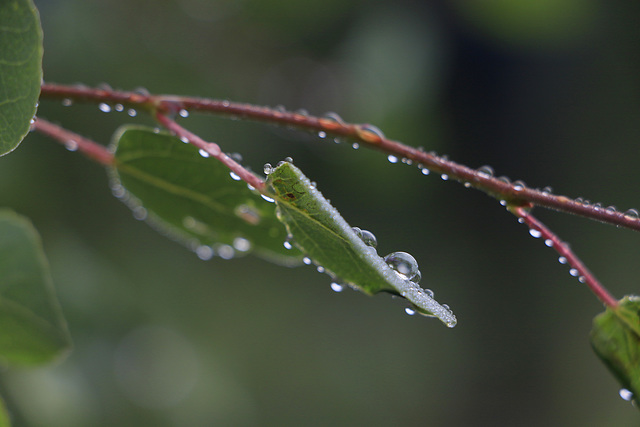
(194, 199)
(318, 230)
(615, 337)
(20, 70)
(32, 329)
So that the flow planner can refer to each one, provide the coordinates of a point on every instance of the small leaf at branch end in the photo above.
(319, 230)
(194, 199)
(20, 70)
(615, 338)
(32, 329)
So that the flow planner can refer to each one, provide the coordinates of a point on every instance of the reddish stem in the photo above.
(74, 142)
(538, 229)
(213, 150)
(366, 134)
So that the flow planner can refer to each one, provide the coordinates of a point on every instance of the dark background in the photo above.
(543, 91)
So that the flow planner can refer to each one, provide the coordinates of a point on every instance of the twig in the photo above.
(510, 193)
(74, 142)
(578, 269)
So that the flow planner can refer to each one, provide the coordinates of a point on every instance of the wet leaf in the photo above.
(615, 338)
(194, 199)
(321, 233)
(32, 329)
(20, 70)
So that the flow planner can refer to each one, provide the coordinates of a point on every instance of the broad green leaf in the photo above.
(320, 232)
(20, 70)
(32, 329)
(194, 199)
(615, 338)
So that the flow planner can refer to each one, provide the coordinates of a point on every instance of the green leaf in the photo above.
(320, 232)
(5, 418)
(194, 199)
(32, 329)
(20, 70)
(615, 338)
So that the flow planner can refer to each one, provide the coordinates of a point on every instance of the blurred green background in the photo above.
(543, 91)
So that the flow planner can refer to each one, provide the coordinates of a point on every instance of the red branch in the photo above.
(511, 193)
(211, 149)
(74, 142)
(578, 269)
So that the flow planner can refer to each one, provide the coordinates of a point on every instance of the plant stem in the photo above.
(578, 269)
(505, 191)
(74, 142)
(213, 150)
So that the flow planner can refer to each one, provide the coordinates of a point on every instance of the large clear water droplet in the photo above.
(405, 265)
(267, 168)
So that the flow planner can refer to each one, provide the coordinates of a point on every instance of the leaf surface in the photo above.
(321, 233)
(194, 199)
(615, 338)
(20, 70)
(32, 329)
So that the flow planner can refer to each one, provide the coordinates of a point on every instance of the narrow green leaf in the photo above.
(194, 199)
(615, 338)
(320, 232)
(32, 329)
(20, 70)
(5, 418)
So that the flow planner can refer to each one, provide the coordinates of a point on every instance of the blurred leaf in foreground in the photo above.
(343, 252)
(615, 337)
(32, 329)
(20, 70)
(194, 199)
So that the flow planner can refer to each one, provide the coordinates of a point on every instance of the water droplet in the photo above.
(369, 238)
(186, 141)
(405, 265)
(535, 233)
(71, 145)
(503, 203)
(547, 190)
(119, 107)
(424, 171)
(203, 152)
(336, 287)
(248, 214)
(234, 176)
(626, 394)
(306, 260)
(444, 176)
(139, 213)
(241, 244)
(392, 158)
(67, 102)
(142, 91)
(562, 260)
(334, 117)
(549, 242)
(504, 179)
(581, 279)
(267, 168)
(322, 134)
(287, 245)
(183, 113)
(519, 185)
(225, 251)
(355, 145)
(320, 269)
(288, 159)
(267, 198)
(118, 191)
(632, 214)
(410, 311)
(486, 171)
(204, 252)
(520, 220)
(132, 112)
(105, 108)
(611, 209)
(371, 129)
(597, 206)
(574, 272)
(467, 184)
(429, 292)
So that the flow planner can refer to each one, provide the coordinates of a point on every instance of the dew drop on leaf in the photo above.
(306, 260)
(267, 168)
(267, 198)
(287, 245)
(625, 394)
(225, 251)
(205, 253)
(336, 287)
(405, 266)
(392, 158)
(132, 112)
(241, 244)
(234, 176)
(410, 311)
(105, 108)
(203, 153)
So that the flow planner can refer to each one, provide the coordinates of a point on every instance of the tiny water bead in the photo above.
(632, 214)
(132, 112)
(486, 171)
(322, 134)
(306, 260)
(366, 236)
(371, 129)
(67, 102)
(562, 260)
(334, 117)
(626, 394)
(287, 245)
(225, 251)
(234, 176)
(549, 243)
(267, 168)
(444, 177)
(355, 145)
(139, 213)
(119, 107)
(185, 140)
(424, 171)
(410, 311)
(71, 145)
(336, 287)
(519, 185)
(204, 252)
(547, 190)
(405, 266)
(105, 108)
(183, 113)
(392, 158)
(203, 152)
(320, 269)
(241, 244)
(267, 198)
(535, 233)
(574, 272)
